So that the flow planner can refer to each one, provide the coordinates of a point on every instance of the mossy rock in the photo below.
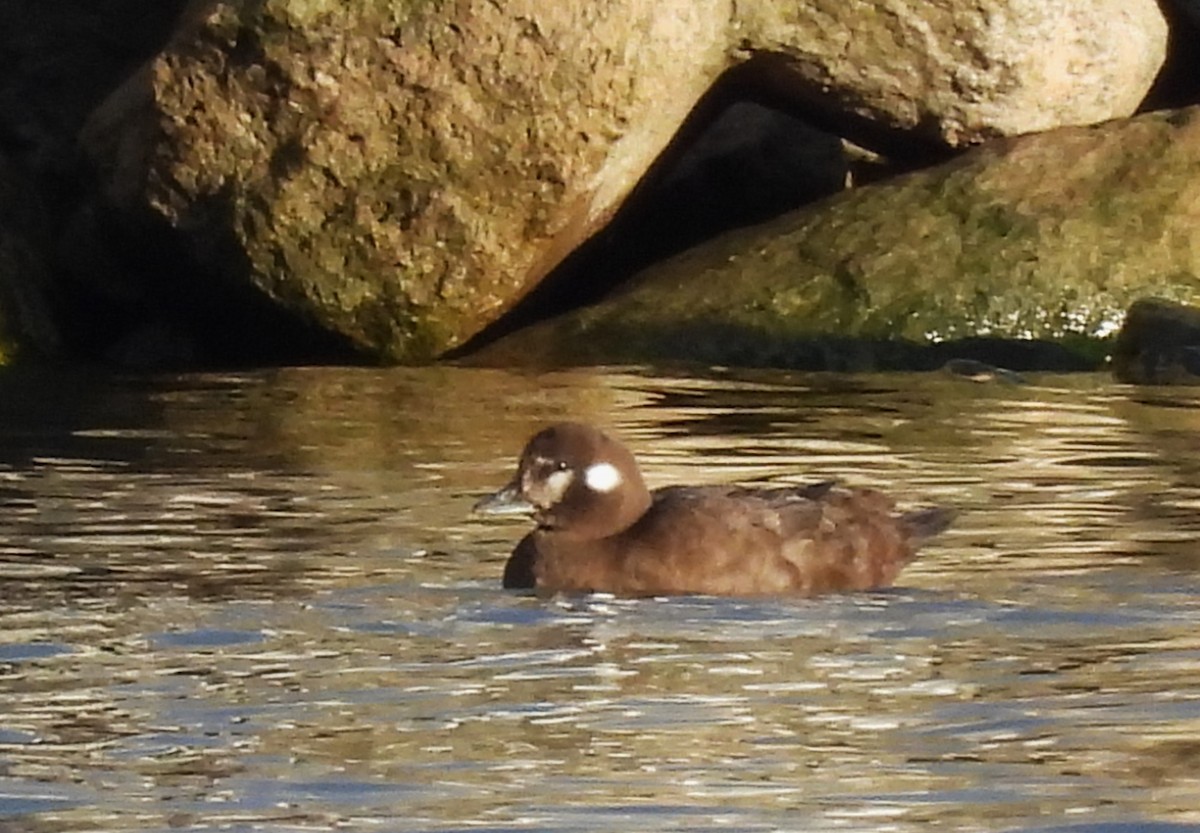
(1047, 238)
(1159, 344)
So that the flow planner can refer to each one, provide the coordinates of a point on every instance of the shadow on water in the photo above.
(255, 601)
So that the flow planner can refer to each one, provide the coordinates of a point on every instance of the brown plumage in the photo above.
(600, 529)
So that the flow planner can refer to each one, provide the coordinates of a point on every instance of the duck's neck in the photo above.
(605, 516)
(563, 565)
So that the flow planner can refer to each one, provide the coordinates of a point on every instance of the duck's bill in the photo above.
(507, 501)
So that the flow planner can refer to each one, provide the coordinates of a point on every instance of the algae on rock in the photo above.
(1048, 237)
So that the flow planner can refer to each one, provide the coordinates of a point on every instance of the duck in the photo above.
(600, 529)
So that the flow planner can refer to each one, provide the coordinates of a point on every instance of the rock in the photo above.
(961, 72)
(401, 174)
(1048, 237)
(60, 60)
(1159, 344)
(26, 323)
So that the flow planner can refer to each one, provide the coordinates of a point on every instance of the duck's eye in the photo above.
(549, 468)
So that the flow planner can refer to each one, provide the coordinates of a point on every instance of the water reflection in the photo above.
(256, 601)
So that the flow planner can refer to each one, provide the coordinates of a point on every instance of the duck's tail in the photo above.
(926, 523)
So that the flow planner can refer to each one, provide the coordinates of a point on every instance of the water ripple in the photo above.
(255, 602)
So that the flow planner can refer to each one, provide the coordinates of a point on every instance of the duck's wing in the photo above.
(800, 541)
(858, 542)
(776, 496)
(716, 540)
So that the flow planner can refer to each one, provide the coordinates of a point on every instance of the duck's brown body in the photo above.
(715, 540)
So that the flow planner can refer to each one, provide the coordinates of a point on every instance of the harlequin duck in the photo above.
(600, 529)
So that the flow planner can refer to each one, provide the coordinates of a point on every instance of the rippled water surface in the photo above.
(256, 602)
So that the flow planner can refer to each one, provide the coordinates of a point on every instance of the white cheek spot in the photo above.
(602, 477)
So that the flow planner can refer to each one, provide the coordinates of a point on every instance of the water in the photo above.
(256, 602)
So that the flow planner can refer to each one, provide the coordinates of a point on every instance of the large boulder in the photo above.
(1047, 237)
(964, 71)
(402, 173)
(398, 171)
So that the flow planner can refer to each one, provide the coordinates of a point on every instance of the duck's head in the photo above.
(575, 480)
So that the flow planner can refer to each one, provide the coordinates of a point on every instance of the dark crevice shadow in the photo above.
(749, 151)
(1178, 82)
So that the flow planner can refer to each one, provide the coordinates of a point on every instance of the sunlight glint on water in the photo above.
(257, 602)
